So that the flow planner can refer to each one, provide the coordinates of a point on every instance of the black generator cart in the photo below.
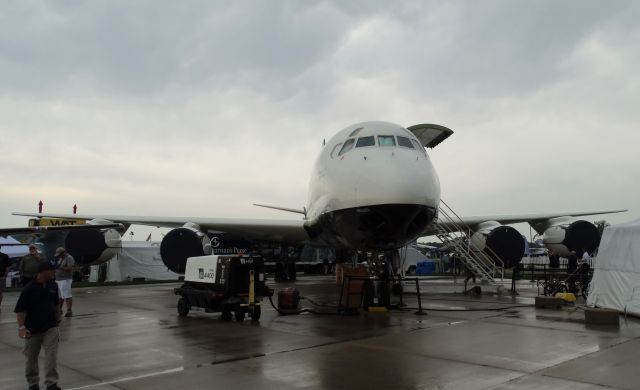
(223, 283)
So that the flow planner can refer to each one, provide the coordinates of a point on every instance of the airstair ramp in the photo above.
(448, 228)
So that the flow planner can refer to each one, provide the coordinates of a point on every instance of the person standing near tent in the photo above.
(584, 268)
(586, 258)
(572, 267)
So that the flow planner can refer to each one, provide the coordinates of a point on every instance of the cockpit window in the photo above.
(365, 141)
(386, 140)
(405, 142)
(348, 145)
(356, 131)
(334, 151)
(418, 146)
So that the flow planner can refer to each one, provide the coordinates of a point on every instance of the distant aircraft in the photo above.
(373, 187)
(94, 242)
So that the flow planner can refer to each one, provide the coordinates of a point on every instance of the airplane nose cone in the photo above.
(395, 179)
(379, 227)
(374, 197)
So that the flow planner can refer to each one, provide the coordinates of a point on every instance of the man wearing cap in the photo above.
(29, 265)
(38, 315)
(64, 277)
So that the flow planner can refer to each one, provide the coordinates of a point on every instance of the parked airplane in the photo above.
(373, 187)
(94, 242)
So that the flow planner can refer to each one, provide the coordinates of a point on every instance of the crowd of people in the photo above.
(46, 289)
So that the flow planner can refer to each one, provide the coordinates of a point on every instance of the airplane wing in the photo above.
(474, 221)
(63, 228)
(258, 229)
(517, 218)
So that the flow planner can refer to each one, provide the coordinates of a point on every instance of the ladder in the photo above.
(479, 263)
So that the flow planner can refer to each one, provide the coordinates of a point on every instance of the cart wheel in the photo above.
(226, 314)
(240, 313)
(183, 307)
(255, 314)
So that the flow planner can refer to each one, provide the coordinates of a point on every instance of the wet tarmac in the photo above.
(130, 337)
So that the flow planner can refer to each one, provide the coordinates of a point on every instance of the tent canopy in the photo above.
(13, 247)
(616, 278)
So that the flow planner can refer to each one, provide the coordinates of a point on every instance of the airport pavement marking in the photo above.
(130, 378)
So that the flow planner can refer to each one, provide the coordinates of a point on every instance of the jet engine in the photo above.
(565, 234)
(497, 240)
(182, 243)
(93, 246)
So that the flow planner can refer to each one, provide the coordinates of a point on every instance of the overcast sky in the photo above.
(203, 108)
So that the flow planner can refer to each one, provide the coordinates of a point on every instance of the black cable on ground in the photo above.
(301, 310)
(319, 304)
(305, 310)
(468, 309)
(430, 296)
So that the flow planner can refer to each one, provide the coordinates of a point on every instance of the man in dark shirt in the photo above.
(554, 259)
(572, 262)
(5, 263)
(38, 314)
(572, 266)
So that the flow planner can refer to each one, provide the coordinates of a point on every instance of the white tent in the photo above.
(137, 259)
(13, 247)
(616, 278)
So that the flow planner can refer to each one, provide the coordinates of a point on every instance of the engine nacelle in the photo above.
(93, 246)
(495, 239)
(566, 234)
(182, 243)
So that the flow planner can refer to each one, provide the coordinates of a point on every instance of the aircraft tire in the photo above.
(239, 314)
(255, 314)
(226, 314)
(183, 307)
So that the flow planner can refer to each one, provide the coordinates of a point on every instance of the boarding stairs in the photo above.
(448, 228)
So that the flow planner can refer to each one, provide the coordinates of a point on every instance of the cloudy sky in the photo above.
(204, 107)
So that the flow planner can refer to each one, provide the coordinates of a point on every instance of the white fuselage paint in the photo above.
(371, 175)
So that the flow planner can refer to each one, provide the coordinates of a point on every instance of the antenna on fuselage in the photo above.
(288, 209)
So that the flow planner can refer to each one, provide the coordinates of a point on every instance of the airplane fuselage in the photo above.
(372, 187)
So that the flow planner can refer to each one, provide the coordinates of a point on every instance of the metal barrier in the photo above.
(346, 280)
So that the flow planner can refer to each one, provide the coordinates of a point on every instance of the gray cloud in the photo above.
(130, 107)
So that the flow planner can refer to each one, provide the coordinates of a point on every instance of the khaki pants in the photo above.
(48, 340)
